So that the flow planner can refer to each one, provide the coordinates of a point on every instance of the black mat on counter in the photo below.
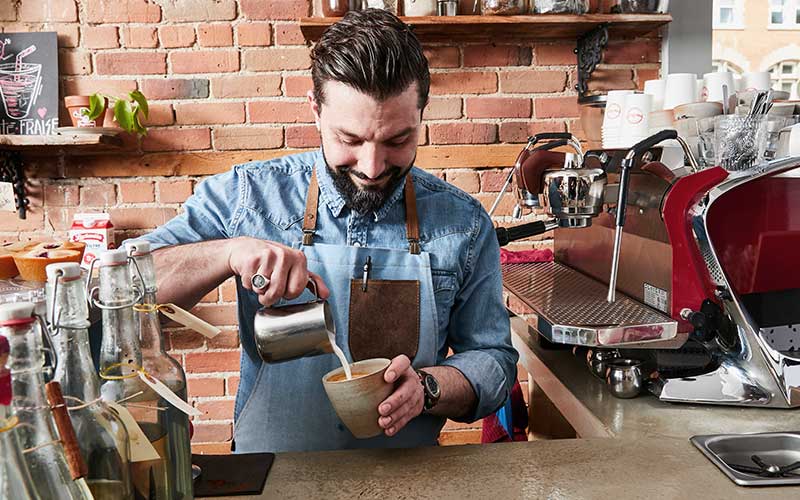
(237, 474)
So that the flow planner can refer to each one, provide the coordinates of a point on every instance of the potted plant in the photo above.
(90, 111)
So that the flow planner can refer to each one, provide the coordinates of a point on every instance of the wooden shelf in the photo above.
(61, 140)
(491, 28)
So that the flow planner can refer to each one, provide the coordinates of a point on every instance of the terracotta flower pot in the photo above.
(76, 104)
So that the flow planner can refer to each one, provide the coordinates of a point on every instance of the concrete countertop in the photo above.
(571, 469)
(592, 411)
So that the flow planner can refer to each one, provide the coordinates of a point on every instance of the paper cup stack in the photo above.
(612, 119)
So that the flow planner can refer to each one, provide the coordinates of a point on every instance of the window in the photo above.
(784, 13)
(785, 75)
(728, 14)
(723, 65)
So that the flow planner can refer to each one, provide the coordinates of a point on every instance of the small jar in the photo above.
(503, 7)
(447, 8)
(335, 8)
(560, 6)
(419, 7)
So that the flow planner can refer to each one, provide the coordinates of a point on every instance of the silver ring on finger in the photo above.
(259, 281)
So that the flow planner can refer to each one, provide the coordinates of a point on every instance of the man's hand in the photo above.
(284, 267)
(407, 399)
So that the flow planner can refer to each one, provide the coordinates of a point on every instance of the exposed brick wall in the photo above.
(227, 76)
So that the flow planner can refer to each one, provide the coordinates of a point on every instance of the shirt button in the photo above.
(356, 244)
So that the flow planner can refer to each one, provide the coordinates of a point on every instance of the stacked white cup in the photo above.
(656, 89)
(612, 118)
(681, 88)
(712, 90)
(756, 81)
(635, 119)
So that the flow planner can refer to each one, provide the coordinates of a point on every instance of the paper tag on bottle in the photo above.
(189, 320)
(141, 449)
(166, 393)
(7, 197)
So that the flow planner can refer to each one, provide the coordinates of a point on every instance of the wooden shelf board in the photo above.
(488, 28)
(60, 140)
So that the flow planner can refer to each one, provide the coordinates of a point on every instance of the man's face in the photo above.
(368, 145)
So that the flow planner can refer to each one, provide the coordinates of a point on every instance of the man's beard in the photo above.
(365, 200)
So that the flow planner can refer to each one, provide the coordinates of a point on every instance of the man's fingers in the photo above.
(397, 367)
(322, 288)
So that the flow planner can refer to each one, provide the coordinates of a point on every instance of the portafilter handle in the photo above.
(506, 235)
(624, 179)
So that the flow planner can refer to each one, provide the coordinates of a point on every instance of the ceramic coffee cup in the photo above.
(356, 400)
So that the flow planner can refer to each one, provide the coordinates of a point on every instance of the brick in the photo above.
(289, 34)
(422, 137)
(640, 51)
(174, 88)
(136, 192)
(519, 82)
(212, 448)
(492, 180)
(442, 108)
(219, 315)
(47, 11)
(122, 11)
(74, 62)
(174, 191)
(205, 387)
(506, 206)
(218, 61)
(86, 86)
(34, 221)
(199, 113)
(61, 196)
(253, 34)
(131, 63)
(210, 297)
(604, 79)
(464, 179)
(280, 112)
(297, 86)
(212, 433)
(215, 35)
(228, 339)
(496, 55)
(141, 218)
(246, 86)
(184, 139)
(144, 37)
(497, 107)
(216, 410)
(99, 195)
(275, 9)
(176, 36)
(232, 385)
(483, 82)
(8, 11)
(460, 437)
(67, 34)
(304, 136)
(233, 138)
(519, 131)
(555, 55)
(227, 290)
(556, 107)
(60, 219)
(463, 133)
(644, 74)
(277, 59)
(199, 10)
(100, 37)
(210, 362)
(183, 339)
(442, 57)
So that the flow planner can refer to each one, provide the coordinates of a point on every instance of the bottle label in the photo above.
(189, 320)
(166, 393)
(141, 449)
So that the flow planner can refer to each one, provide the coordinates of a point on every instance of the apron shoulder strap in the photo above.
(312, 203)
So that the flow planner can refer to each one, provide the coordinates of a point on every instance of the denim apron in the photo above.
(287, 408)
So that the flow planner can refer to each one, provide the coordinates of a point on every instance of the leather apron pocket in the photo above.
(384, 319)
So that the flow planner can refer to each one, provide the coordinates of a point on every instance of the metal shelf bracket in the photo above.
(590, 54)
(12, 170)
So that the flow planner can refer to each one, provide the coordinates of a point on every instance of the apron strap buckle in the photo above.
(308, 237)
(413, 246)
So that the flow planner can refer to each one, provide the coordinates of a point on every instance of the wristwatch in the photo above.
(430, 386)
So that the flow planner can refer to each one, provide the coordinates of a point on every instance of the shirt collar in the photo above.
(335, 201)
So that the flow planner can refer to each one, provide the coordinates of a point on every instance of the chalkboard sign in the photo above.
(28, 83)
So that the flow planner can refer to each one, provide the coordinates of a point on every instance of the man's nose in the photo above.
(372, 161)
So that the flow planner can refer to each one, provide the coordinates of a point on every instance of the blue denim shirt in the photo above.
(266, 200)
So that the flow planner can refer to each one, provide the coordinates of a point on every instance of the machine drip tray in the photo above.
(572, 308)
(767, 459)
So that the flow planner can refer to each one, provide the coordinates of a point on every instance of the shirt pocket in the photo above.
(444, 291)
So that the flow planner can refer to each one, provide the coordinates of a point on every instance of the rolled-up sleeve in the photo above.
(207, 214)
(480, 334)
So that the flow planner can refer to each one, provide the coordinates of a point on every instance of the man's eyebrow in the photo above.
(351, 135)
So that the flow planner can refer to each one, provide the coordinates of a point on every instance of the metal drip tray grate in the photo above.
(572, 308)
(767, 459)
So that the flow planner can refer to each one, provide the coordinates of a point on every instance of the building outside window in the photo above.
(785, 75)
(784, 13)
(728, 14)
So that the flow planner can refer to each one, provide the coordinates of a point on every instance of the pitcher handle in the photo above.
(312, 285)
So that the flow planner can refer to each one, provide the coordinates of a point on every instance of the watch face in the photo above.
(432, 385)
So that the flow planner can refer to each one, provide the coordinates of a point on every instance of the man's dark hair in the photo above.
(375, 53)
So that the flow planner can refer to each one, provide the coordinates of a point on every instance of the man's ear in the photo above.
(315, 107)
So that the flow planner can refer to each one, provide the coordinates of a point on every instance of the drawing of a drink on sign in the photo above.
(28, 83)
(20, 82)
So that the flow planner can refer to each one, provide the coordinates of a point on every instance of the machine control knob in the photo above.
(700, 322)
